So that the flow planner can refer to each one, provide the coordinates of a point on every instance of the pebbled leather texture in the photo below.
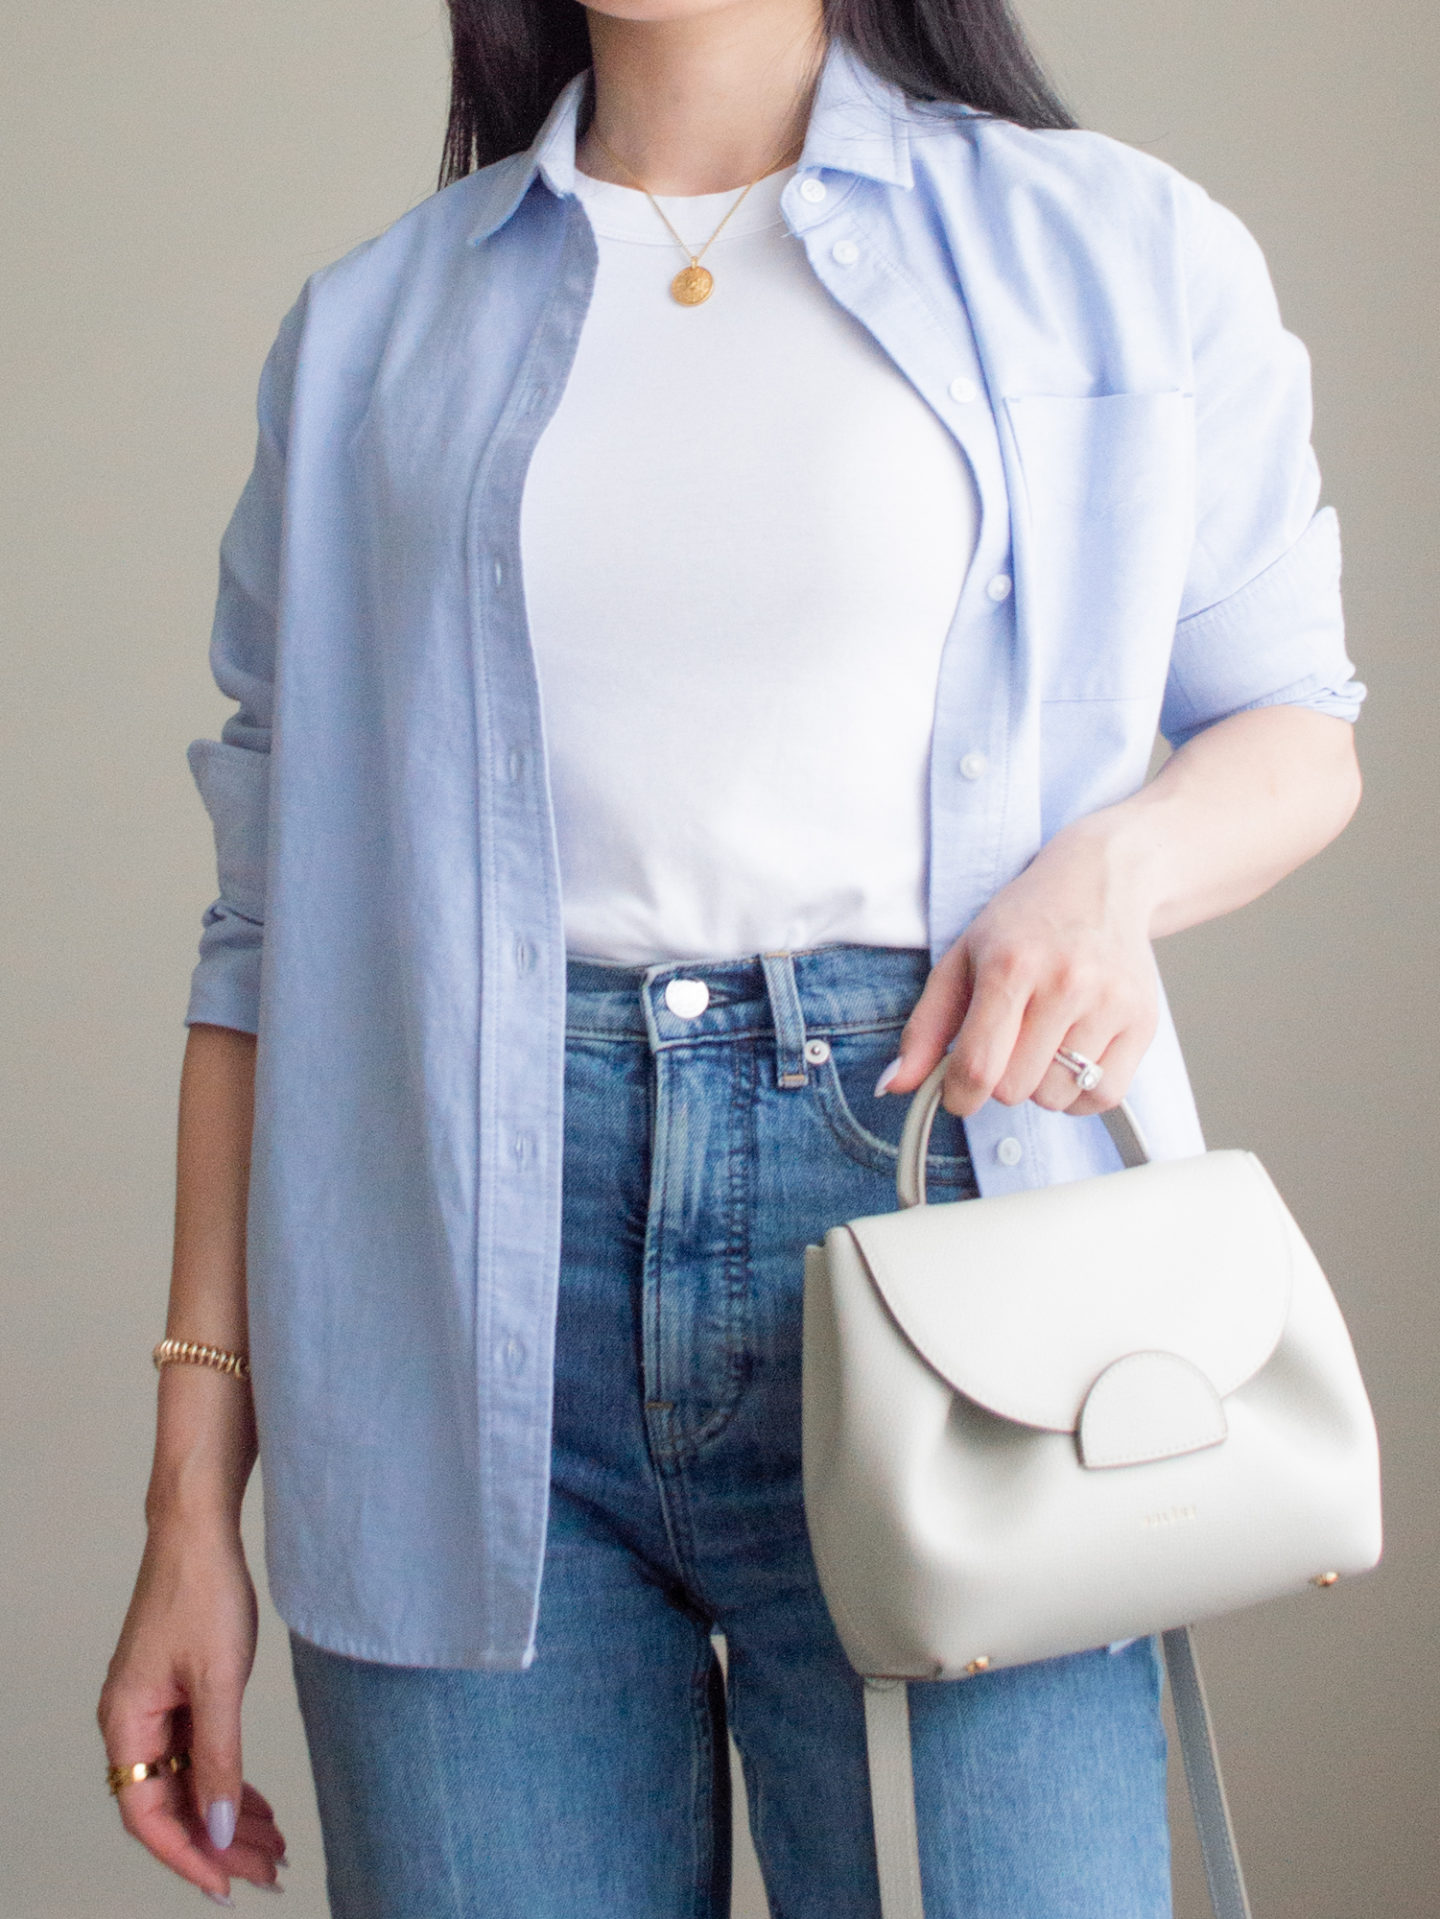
(1146, 1407)
(1066, 1418)
(1022, 1302)
(949, 1354)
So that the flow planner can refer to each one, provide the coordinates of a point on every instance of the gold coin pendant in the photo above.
(691, 285)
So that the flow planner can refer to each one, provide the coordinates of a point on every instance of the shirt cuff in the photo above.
(225, 986)
(1280, 640)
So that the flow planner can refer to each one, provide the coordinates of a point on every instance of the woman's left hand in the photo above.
(1060, 957)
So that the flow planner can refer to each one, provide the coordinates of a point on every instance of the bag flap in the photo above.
(1021, 1302)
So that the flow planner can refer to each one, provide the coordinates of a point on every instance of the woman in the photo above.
(854, 464)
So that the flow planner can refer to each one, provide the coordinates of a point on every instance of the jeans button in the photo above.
(687, 998)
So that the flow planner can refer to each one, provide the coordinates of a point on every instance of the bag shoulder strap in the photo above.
(1202, 1775)
(892, 1798)
(892, 1788)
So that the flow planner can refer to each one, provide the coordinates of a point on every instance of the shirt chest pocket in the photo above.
(1103, 527)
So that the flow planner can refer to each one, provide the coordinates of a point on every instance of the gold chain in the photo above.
(693, 284)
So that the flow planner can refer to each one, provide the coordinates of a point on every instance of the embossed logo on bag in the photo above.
(1172, 1516)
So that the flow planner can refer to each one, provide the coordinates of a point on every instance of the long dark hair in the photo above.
(512, 57)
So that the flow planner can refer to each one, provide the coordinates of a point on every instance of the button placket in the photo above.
(512, 1356)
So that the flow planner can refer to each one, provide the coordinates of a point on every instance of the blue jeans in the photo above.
(702, 1154)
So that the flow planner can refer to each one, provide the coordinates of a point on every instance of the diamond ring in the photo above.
(1087, 1074)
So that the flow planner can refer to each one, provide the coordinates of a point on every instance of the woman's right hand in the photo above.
(176, 1683)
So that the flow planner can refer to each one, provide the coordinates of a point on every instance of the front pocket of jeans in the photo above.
(868, 1129)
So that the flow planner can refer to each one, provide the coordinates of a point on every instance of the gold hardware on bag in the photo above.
(1325, 1579)
(982, 1664)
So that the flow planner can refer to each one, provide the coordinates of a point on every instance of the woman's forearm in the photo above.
(1228, 815)
(205, 1433)
(178, 1675)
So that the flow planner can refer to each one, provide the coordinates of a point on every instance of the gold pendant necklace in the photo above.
(693, 284)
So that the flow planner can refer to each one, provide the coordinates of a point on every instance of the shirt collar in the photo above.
(859, 124)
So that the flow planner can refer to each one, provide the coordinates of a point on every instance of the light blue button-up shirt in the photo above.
(1103, 342)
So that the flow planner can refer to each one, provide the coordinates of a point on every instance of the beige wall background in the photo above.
(173, 169)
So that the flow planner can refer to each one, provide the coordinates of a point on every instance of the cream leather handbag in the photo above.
(1069, 1417)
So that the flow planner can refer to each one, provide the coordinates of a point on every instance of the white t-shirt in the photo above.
(744, 535)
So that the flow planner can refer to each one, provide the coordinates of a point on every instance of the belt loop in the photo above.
(789, 1020)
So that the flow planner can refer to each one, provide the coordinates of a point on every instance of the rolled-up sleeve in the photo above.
(1261, 621)
(233, 772)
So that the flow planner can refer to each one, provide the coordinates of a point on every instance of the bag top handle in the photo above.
(1120, 1124)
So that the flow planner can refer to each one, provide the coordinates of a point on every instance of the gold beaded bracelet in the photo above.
(187, 1352)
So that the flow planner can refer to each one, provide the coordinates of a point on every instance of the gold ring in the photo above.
(118, 1776)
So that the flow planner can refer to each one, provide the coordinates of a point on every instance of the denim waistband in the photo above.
(794, 996)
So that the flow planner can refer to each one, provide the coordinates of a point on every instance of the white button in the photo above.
(963, 390)
(974, 766)
(1009, 1152)
(999, 588)
(845, 253)
(687, 998)
(499, 573)
(817, 1051)
(812, 189)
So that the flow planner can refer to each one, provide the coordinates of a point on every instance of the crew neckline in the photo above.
(625, 213)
